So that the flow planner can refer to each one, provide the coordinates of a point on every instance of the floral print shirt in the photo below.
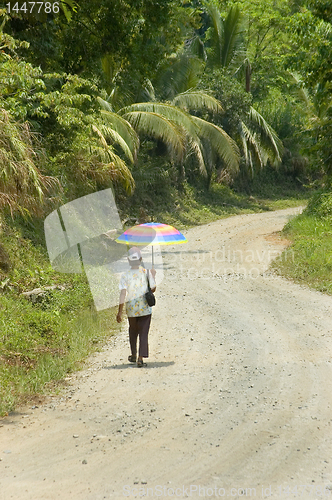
(135, 283)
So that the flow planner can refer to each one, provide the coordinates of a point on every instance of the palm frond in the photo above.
(123, 128)
(193, 69)
(268, 136)
(196, 147)
(196, 48)
(22, 186)
(106, 134)
(101, 163)
(299, 90)
(155, 125)
(148, 91)
(180, 72)
(105, 105)
(197, 100)
(232, 36)
(172, 113)
(101, 136)
(251, 147)
(122, 172)
(244, 134)
(221, 142)
(217, 31)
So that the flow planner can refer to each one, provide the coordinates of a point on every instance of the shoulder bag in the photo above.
(150, 298)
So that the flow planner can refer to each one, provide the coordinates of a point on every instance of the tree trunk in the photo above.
(181, 176)
(248, 76)
(208, 180)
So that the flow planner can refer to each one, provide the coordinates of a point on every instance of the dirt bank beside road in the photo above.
(236, 399)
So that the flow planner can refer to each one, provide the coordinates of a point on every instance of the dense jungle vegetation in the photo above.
(188, 110)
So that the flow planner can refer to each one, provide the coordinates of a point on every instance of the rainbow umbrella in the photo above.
(151, 233)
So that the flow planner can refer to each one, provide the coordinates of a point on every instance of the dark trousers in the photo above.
(139, 327)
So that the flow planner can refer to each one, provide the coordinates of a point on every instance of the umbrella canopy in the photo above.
(153, 233)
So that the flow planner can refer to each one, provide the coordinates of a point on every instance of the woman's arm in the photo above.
(153, 274)
(121, 302)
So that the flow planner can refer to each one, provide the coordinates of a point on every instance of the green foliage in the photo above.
(313, 38)
(258, 141)
(22, 187)
(20, 85)
(320, 206)
(321, 9)
(228, 51)
(267, 43)
(235, 101)
(270, 184)
(173, 124)
(311, 30)
(64, 109)
(42, 350)
(137, 35)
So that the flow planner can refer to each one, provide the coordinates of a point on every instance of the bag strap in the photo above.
(147, 276)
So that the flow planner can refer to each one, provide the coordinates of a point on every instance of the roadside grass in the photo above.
(41, 342)
(38, 347)
(309, 258)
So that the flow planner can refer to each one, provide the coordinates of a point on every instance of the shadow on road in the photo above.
(155, 364)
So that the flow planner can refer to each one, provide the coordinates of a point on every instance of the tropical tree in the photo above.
(172, 123)
(311, 30)
(85, 158)
(225, 39)
(135, 34)
(226, 50)
(62, 110)
(316, 130)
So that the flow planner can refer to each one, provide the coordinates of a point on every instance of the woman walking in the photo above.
(133, 287)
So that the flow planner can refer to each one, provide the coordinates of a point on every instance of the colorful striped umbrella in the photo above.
(151, 233)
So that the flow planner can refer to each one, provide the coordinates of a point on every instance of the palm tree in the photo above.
(225, 38)
(172, 123)
(260, 142)
(225, 48)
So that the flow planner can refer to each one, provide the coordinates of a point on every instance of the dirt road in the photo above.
(236, 400)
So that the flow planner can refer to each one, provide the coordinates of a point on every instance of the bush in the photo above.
(320, 206)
